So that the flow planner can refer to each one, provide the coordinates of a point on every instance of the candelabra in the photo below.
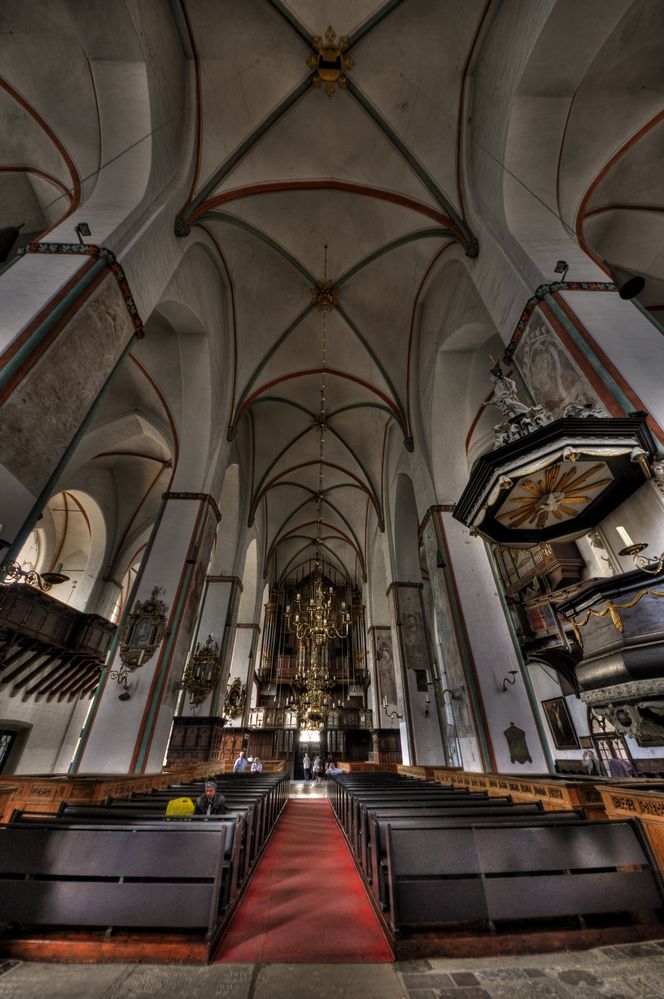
(651, 565)
(316, 621)
(14, 572)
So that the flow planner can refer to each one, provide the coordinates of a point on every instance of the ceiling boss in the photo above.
(329, 62)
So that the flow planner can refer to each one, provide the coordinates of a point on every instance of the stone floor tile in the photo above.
(432, 980)
(499, 974)
(423, 994)
(326, 981)
(576, 976)
(230, 981)
(538, 988)
(471, 993)
(28, 980)
(534, 972)
(639, 949)
(464, 978)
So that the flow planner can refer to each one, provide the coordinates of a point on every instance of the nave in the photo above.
(331, 429)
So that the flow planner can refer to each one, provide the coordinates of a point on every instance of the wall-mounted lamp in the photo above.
(390, 714)
(509, 679)
(651, 565)
(456, 693)
(122, 676)
(561, 268)
(82, 229)
(10, 571)
(427, 706)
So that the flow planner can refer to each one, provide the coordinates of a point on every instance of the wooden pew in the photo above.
(358, 826)
(489, 874)
(71, 818)
(517, 815)
(133, 877)
(455, 810)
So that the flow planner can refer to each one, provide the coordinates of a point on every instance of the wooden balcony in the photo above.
(48, 649)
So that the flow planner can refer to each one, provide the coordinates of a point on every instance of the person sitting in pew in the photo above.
(210, 802)
(256, 766)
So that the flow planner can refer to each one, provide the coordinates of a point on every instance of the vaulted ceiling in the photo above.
(337, 160)
(301, 181)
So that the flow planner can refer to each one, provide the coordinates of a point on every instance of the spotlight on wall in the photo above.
(8, 237)
(427, 706)
(628, 283)
(82, 229)
(509, 679)
(562, 268)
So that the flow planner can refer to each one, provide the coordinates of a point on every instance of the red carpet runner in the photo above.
(306, 903)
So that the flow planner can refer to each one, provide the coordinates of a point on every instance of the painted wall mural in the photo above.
(552, 377)
(384, 659)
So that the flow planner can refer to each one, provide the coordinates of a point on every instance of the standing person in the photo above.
(210, 802)
(306, 766)
(241, 763)
(256, 766)
(329, 762)
(318, 769)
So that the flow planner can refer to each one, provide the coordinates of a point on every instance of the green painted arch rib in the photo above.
(246, 145)
(403, 420)
(338, 535)
(287, 447)
(299, 437)
(361, 464)
(228, 219)
(326, 464)
(271, 352)
(434, 232)
(301, 31)
(360, 405)
(297, 509)
(460, 230)
(291, 20)
(342, 409)
(371, 22)
(344, 569)
(330, 372)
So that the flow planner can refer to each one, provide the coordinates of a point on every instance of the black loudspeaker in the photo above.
(629, 285)
(8, 237)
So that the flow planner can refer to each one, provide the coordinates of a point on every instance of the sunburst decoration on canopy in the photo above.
(559, 492)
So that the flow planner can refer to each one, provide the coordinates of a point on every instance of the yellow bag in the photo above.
(179, 808)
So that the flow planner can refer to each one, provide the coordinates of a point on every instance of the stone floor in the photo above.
(628, 972)
(308, 789)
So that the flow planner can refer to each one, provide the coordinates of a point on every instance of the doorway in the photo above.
(309, 742)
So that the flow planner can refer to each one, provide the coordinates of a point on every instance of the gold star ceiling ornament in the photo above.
(558, 492)
(329, 62)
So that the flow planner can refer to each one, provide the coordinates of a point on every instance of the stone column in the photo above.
(131, 736)
(242, 667)
(509, 734)
(454, 657)
(424, 742)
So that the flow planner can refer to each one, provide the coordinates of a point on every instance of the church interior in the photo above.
(332, 475)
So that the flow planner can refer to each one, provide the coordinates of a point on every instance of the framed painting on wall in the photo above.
(560, 723)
